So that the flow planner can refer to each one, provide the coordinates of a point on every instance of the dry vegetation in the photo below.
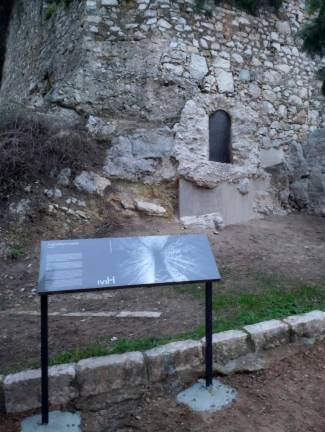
(31, 148)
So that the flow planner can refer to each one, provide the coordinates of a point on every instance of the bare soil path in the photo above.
(287, 397)
(289, 247)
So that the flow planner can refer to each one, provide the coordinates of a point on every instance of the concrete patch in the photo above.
(138, 314)
(198, 397)
(112, 314)
(58, 422)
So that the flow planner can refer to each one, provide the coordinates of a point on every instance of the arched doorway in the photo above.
(220, 137)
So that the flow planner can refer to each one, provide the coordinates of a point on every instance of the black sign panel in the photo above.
(75, 265)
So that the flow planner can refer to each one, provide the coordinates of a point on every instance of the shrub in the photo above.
(53, 7)
(50, 11)
(250, 6)
(31, 147)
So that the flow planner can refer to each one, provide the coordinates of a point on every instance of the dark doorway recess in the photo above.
(220, 137)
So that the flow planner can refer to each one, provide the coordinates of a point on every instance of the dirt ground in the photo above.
(289, 396)
(289, 247)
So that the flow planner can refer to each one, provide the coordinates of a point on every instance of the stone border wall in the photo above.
(119, 377)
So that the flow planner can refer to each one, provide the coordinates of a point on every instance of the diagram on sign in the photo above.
(158, 259)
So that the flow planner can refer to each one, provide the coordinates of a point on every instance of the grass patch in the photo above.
(236, 310)
(232, 310)
(96, 350)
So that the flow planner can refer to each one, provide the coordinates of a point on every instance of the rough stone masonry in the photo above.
(98, 382)
(145, 75)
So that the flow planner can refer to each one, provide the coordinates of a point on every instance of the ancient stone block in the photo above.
(151, 142)
(237, 58)
(176, 358)
(283, 27)
(164, 24)
(244, 75)
(63, 178)
(268, 108)
(271, 157)
(151, 209)
(136, 154)
(109, 2)
(111, 374)
(198, 67)
(23, 390)
(225, 81)
(311, 324)
(210, 220)
(100, 128)
(268, 334)
(221, 63)
(91, 182)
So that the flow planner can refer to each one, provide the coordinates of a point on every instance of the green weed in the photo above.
(15, 251)
(50, 11)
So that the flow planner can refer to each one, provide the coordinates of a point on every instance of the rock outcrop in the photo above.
(307, 169)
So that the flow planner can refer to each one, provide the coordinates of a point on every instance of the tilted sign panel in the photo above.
(72, 265)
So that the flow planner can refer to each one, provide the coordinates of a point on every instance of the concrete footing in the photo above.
(216, 397)
(58, 422)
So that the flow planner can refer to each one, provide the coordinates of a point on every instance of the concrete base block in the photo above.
(308, 325)
(233, 206)
(198, 397)
(268, 334)
(112, 375)
(176, 358)
(17, 386)
(58, 422)
(229, 345)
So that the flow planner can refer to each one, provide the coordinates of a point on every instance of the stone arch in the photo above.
(220, 149)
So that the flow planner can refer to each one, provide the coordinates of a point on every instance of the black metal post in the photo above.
(44, 359)
(208, 334)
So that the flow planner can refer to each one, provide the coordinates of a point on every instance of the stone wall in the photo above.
(99, 382)
(41, 52)
(148, 73)
(307, 171)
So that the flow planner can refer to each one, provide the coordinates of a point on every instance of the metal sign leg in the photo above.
(44, 359)
(208, 334)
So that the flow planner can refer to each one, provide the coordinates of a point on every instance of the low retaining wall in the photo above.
(97, 381)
